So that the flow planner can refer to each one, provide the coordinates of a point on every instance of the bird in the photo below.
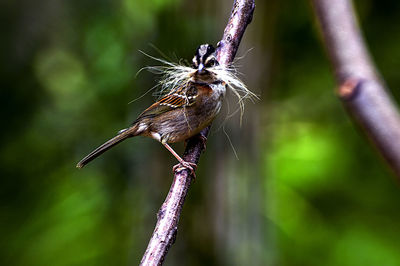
(181, 113)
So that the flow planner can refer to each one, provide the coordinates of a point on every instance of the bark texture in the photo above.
(361, 88)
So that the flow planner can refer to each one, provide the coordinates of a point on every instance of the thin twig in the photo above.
(360, 86)
(168, 216)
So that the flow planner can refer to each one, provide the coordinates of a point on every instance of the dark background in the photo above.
(306, 189)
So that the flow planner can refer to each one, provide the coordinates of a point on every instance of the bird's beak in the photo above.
(200, 69)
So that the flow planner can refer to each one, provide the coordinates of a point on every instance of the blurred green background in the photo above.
(306, 189)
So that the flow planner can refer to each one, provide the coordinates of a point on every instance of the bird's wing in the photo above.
(181, 97)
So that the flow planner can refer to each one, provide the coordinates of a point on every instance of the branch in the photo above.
(360, 88)
(168, 216)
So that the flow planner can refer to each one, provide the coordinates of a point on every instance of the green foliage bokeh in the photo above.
(307, 190)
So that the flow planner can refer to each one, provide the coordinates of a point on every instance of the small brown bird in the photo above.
(180, 114)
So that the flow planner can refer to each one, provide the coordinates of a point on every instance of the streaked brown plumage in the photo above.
(180, 114)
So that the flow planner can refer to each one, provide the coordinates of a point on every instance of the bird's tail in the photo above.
(122, 135)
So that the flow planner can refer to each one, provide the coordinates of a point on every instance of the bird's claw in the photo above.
(185, 165)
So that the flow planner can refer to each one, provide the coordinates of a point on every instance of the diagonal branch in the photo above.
(360, 87)
(168, 216)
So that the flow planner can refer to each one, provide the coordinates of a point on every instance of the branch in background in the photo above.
(360, 87)
(168, 216)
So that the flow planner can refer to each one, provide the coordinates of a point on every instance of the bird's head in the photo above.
(204, 59)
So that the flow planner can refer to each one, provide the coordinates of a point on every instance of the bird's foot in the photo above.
(185, 165)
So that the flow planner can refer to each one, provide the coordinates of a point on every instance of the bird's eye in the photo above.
(210, 63)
